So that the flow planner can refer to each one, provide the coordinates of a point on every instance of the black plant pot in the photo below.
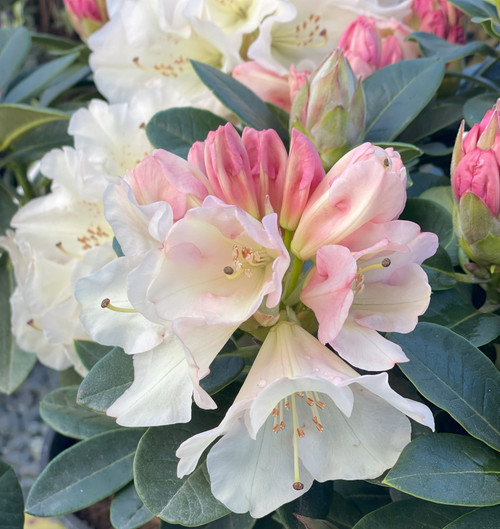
(54, 443)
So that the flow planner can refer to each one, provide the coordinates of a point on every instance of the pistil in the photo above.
(106, 304)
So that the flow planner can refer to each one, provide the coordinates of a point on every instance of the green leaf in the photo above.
(239, 99)
(451, 310)
(365, 496)
(176, 129)
(343, 513)
(38, 79)
(232, 521)
(61, 412)
(413, 513)
(127, 510)
(440, 194)
(11, 499)
(7, 210)
(12, 54)
(430, 216)
(475, 8)
(66, 79)
(189, 500)
(433, 46)
(16, 120)
(407, 151)
(85, 473)
(107, 380)
(15, 364)
(485, 518)
(223, 370)
(313, 523)
(439, 269)
(90, 352)
(456, 376)
(448, 468)
(476, 107)
(396, 94)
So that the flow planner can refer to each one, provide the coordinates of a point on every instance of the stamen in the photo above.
(66, 252)
(276, 426)
(321, 405)
(297, 485)
(33, 325)
(228, 270)
(106, 304)
(387, 162)
(319, 426)
(384, 264)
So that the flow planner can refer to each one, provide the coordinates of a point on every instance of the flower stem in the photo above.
(293, 279)
(287, 239)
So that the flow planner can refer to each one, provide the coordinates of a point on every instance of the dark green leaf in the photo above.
(475, 8)
(12, 54)
(365, 496)
(435, 148)
(15, 364)
(232, 521)
(396, 94)
(188, 500)
(11, 499)
(280, 114)
(485, 518)
(176, 129)
(407, 151)
(223, 370)
(90, 352)
(7, 210)
(61, 412)
(343, 513)
(433, 46)
(412, 513)
(451, 310)
(430, 216)
(239, 99)
(38, 79)
(433, 118)
(127, 510)
(16, 120)
(440, 270)
(84, 473)
(107, 380)
(476, 107)
(448, 468)
(313, 523)
(456, 376)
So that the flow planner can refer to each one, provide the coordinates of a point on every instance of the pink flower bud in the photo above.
(370, 44)
(478, 173)
(86, 16)
(279, 90)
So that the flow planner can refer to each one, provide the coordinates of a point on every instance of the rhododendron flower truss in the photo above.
(381, 287)
(302, 414)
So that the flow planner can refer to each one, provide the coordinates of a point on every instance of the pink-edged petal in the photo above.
(328, 291)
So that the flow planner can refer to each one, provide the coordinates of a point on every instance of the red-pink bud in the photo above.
(86, 16)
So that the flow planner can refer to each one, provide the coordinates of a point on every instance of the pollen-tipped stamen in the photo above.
(33, 325)
(297, 485)
(384, 264)
(106, 304)
(60, 246)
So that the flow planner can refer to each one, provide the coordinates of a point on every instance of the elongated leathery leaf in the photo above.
(11, 499)
(448, 468)
(84, 473)
(449, 371)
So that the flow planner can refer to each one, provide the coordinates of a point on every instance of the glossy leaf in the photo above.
(223, 370)
(65, 80)
(396, 94)
(84, 473)
(106, 381)
(413, 513)
(439, 269)
(484, 518)
(407, 151)
(90, 352)
(363, 495)
(448, 468)
(451, 310)
(456, 376)
(433, 46)
(476, 107)
(239, 99)
(15, 364)
(13, 53)
(16, 120)
(61, 412)
(176, 129)
(11, 499)
(127, 510)
(36, 81)
(188, 500)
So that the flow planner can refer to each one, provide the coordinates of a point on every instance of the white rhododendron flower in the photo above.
(301, 415)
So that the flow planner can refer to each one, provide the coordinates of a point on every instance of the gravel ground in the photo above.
(21, 429)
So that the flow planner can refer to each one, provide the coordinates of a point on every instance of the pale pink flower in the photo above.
(379, 288)
(280, 90)
(367, 185)
(300, 400)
